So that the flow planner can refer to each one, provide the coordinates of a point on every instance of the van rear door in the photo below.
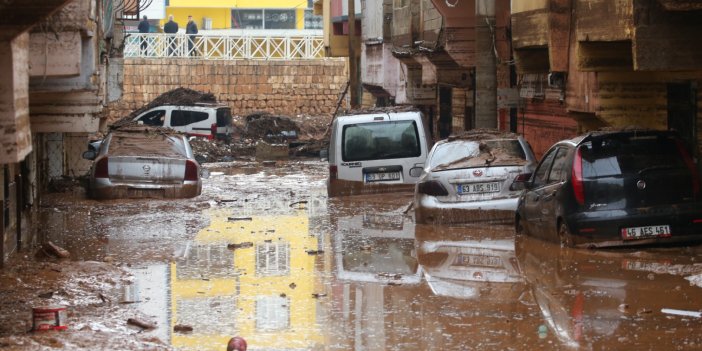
(382, 149)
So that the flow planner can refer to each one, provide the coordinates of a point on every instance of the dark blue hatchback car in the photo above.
(614, 188)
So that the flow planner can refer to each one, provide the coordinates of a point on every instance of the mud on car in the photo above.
(614, 188)
(473, 177)
(143, 162)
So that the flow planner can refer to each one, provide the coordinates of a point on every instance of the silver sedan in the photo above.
(140, 162)
(470, 178)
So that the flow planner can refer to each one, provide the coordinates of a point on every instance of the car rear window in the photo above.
(146, 144)
(620, 155)
(380, 140)
(224, 117)
(467, 153)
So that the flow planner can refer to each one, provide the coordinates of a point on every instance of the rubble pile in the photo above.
(263, 125)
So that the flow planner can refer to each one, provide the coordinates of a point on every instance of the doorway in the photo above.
(682, 112)
(445, 115)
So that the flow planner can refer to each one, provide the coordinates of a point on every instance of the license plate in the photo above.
(650, 231)
(477, 188)
(382, 176)
(477, 260)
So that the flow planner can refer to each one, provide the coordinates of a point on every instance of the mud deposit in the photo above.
(264, 254)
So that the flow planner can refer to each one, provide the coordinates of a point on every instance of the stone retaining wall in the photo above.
(296, 87)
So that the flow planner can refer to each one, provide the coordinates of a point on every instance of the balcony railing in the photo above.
(224, 47)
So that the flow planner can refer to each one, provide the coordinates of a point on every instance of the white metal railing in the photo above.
(224, 47)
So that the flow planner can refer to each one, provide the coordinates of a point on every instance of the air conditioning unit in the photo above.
(206, 23)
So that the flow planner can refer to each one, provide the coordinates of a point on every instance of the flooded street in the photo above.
(265, 255)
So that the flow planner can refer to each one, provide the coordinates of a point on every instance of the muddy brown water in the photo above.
(264, 254)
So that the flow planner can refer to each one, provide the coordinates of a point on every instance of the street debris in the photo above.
(243, 245)
(235, 219)
(141, 324)
(54, 250)
(49, 318)
(292, 285)
(683, 313)
(236, 343)
(298, 203)
(315, 252)
(182, 328)
(318, 295)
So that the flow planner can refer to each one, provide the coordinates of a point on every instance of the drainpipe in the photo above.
(354, 87)
(485, 65)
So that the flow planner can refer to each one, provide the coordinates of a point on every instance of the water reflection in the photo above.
(598, 299)
(262, 290)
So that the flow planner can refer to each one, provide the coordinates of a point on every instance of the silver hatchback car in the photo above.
(471, 178)
(143, 162)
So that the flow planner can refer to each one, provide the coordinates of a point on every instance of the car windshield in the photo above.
(468, 153)
(620, 155)
(380, 140)
(146, 144)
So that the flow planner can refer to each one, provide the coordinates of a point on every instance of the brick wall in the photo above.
(309, 87)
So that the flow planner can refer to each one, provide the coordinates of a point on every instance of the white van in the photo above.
(212, 121)
(376, 152)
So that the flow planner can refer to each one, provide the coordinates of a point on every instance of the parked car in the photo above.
(376, 152)
(212, 121)
(135, 162)
(614, 188)
(471, 177)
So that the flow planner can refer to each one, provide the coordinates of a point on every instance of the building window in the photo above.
(263, 19)
(272, 259)
(272, 313)
(312, 21)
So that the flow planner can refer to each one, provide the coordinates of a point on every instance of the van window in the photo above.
(181, 118)
(224, 117)
(626, 155)
(380, 140)
(153, 118)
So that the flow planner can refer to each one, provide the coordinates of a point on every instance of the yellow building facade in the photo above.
(246, 14)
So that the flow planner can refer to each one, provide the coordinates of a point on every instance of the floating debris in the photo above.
(243, 245)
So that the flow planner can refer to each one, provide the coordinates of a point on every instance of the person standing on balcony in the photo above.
(144, 28)
(171, 27)
(191, 30)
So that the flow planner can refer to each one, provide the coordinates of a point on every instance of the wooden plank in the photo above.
(604, 20)
(64, 124)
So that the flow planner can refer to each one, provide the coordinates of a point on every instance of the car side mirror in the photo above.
(90, 155)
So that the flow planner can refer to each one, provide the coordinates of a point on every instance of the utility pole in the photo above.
(353, 62)
(485, 65)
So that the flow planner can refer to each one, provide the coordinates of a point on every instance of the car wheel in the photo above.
(564, 236)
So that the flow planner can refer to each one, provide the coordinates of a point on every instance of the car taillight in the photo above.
(577, 178)
(101, 170)
(691, 166)
(432, 188)
(213, 131)
(333, 172)
(191, 171)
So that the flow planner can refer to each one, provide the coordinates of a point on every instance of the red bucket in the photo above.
(49, 318)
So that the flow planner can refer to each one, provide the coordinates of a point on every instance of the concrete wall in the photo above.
(282, 87)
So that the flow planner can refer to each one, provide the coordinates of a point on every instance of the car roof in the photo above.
(608, 133)
(197, 106)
